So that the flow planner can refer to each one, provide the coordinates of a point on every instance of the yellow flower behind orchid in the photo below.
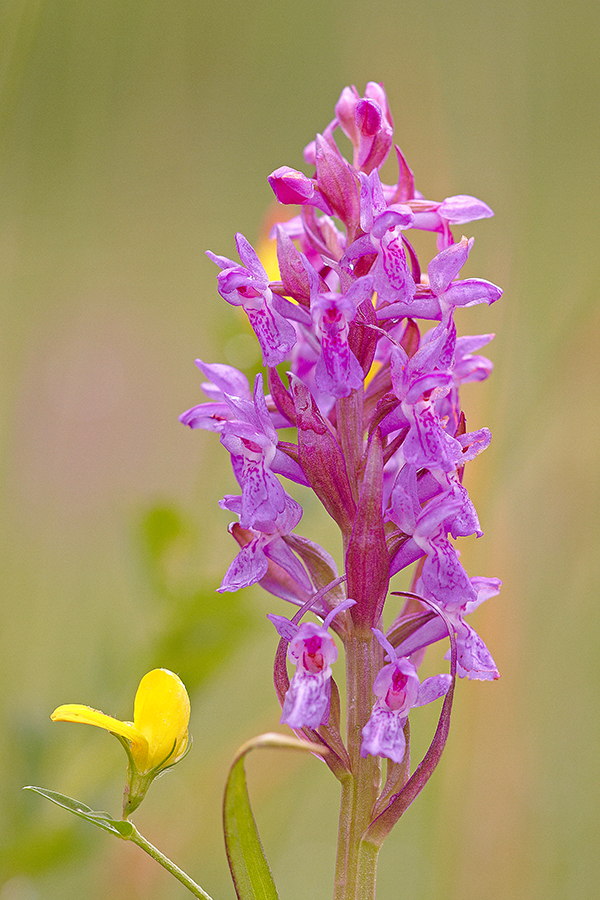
(155, 740)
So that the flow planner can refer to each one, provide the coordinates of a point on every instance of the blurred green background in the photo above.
(135, 134)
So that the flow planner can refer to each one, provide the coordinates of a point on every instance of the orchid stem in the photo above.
(356, 865)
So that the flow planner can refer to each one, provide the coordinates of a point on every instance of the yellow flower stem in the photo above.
(166, 863)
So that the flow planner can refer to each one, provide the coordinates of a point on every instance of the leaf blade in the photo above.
(250, 870)
(118, 827)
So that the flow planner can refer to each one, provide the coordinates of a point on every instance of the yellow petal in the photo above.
(161, 715)
(75, 712)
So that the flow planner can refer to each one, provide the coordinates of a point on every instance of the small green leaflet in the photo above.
(118, 827)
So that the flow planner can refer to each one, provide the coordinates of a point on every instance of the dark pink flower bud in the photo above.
(368, 118)
(292, 186)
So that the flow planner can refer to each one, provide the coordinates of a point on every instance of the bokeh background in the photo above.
(135, 134)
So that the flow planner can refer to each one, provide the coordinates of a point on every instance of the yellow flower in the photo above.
(155, 740)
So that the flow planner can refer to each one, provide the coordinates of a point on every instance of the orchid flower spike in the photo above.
(155, 740)
(312, 650)
(398, 690)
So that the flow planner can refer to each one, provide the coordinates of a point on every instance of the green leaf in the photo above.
(250, 871)
(118, 827)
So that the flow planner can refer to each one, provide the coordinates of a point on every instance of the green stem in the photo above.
(357, 865)
(166, 863)
(366, 870)
(345, 827)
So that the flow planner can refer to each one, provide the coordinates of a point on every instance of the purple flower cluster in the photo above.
(373, 393)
